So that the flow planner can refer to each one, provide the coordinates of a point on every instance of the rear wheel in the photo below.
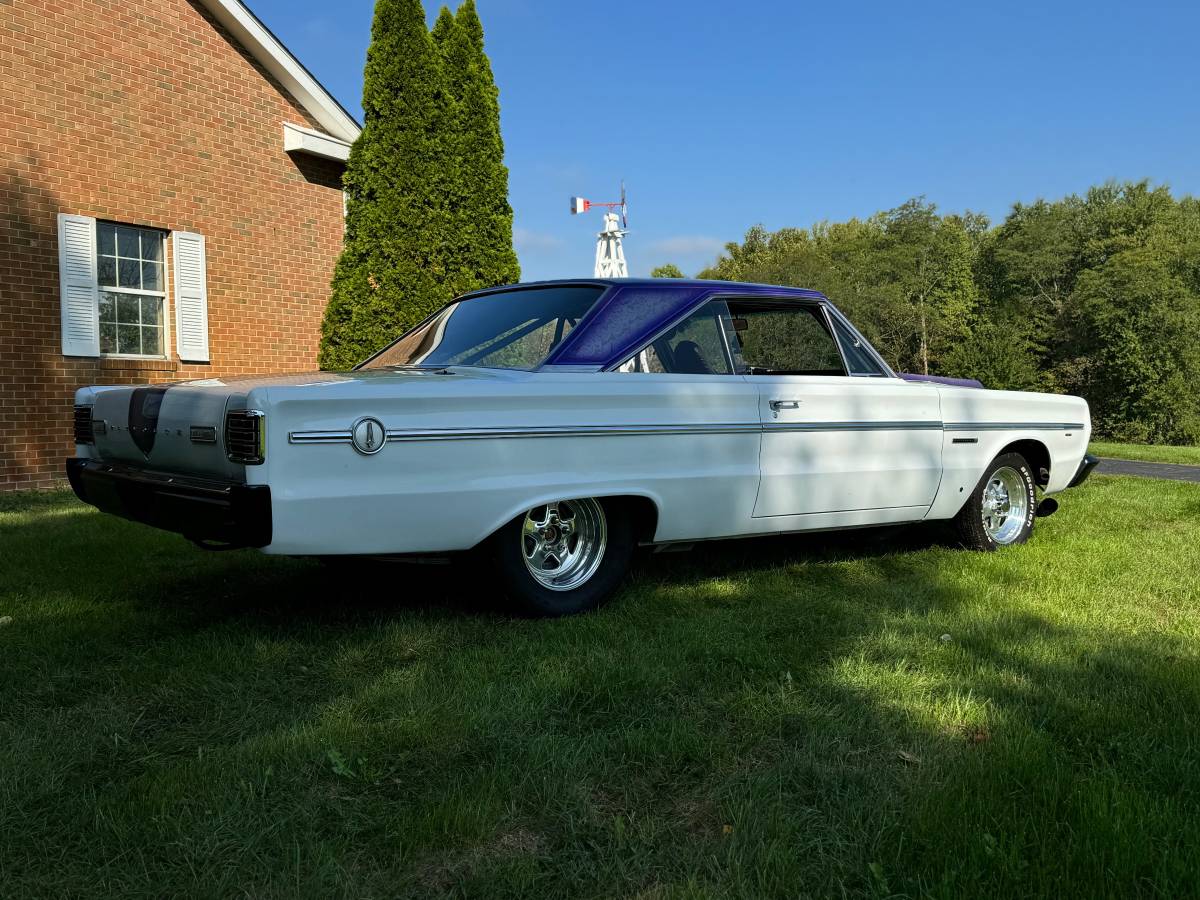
(563, 557)
(1001, 509)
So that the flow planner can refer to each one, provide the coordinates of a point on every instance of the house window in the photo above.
(132, 282)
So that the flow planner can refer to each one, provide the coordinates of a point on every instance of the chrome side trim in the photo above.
(478, 434)
(395, 435)
(852, 426)
(553, 431)
(550, 431)
(1013, 426)
(319, 437)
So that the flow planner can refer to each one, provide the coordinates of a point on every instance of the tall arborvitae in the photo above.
(483, 250)
(461, 274)
(399, 194)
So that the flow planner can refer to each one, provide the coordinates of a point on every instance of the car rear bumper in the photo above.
(237, 515)
(1085, 469)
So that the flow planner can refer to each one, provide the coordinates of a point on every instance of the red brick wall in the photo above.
(146, 112)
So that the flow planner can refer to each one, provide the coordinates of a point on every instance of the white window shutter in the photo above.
(78, 286)
(191, 296)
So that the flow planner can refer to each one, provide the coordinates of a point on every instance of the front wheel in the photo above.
(563, 557)
(1001, 509)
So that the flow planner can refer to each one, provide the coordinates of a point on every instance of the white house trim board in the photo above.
(297, 139)
(278, 60)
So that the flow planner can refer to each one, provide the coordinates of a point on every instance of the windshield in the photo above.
(514, 329)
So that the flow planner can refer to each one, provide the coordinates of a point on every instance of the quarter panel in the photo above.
(420, 495)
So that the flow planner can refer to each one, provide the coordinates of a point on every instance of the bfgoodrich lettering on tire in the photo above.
(1001, 510)
(563, 557)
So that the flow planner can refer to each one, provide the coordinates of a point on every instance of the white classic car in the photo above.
(553, 427)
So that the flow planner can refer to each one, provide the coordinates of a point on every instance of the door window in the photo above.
(771, 338)
(858, 358)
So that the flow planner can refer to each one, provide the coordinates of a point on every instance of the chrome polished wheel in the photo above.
(563, 542)
(1005, 505)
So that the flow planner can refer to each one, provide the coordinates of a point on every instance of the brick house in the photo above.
(170, 206)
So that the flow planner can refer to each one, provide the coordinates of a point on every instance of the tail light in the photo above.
(83, 425)
(246, 436)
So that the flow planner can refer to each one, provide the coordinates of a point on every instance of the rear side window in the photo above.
(696, 346)
(858, 358)
(782, 339)
(510, 329)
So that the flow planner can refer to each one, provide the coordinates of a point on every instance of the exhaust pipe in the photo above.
(1048, 507)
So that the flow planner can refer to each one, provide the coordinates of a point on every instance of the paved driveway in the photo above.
(1148, 469)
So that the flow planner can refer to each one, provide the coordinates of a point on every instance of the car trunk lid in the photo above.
(183, 427)
(166, 428)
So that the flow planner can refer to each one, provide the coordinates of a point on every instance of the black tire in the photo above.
(527, 596)
(969, 522)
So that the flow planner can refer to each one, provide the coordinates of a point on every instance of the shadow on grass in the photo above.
(273, 592)
(756, 718)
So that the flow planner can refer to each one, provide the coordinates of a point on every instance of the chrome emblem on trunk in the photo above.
(368, 435)
(203, 434)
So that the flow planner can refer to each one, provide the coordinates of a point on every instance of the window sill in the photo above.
(142, 363)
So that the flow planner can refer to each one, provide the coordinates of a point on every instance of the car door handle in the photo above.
(784, 404)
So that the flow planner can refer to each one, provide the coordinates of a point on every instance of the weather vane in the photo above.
(610, 255)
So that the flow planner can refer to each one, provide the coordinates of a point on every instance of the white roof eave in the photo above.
(248, 31)
(298, 139)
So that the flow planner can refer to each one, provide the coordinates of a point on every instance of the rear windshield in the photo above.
(514, 329)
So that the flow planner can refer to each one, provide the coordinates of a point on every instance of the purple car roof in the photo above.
(631, 311)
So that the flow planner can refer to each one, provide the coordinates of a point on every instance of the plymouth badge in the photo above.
(368, 435)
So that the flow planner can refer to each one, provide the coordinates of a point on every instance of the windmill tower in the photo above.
(610, 255)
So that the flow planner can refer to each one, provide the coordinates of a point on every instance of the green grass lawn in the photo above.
(1147, 452)
(863, 715)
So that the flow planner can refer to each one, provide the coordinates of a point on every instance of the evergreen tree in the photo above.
(399, 194)
(481, 239)
(461, 238)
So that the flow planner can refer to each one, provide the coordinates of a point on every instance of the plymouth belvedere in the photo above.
(551, 428)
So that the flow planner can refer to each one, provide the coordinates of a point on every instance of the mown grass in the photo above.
(1189, 456)
(863, 715)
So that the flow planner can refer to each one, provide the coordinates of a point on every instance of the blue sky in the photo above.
(721, 115)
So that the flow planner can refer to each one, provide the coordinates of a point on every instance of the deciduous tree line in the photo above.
(1096, 295)
(427, 212)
